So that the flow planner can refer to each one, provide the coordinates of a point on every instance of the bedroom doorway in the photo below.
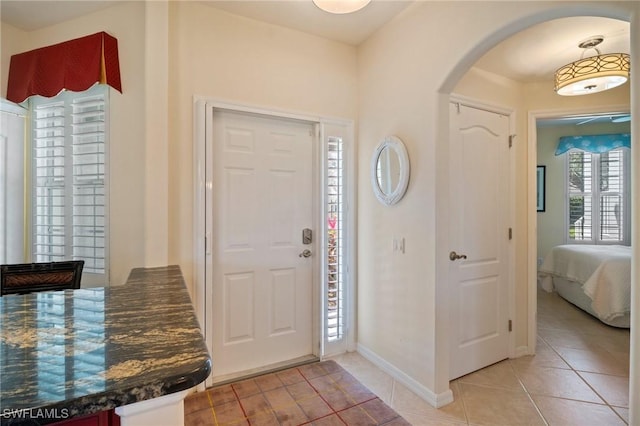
(579, 347)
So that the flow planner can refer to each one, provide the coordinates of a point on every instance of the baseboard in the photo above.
(522, 351)
(436, 400)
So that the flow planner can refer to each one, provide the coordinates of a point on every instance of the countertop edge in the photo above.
(195, 363)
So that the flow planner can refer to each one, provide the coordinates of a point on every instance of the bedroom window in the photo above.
(598, 197)
(68, 180)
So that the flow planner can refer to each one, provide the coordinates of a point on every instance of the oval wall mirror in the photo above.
(390, 170)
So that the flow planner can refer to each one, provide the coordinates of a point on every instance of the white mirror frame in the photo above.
(394, 143)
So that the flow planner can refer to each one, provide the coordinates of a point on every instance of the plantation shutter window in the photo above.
(598, 196)
(69, 201)
(335, 240)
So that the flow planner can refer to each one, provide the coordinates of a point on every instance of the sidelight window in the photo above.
(335, 240)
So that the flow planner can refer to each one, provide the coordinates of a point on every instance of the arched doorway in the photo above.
(527, 250)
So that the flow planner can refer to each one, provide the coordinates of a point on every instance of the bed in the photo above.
(597, 279)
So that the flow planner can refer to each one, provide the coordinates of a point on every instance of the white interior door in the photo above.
(479, 232)
(262, 311)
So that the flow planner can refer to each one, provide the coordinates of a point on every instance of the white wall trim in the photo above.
(522, 351)
(436, 400)
(478, 104)
(270, 111)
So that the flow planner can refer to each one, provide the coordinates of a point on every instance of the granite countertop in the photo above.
(76, 352)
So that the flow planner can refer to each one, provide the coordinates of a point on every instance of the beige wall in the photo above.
(12, 41)
(239, 60)
(124, 21)
(402, 304)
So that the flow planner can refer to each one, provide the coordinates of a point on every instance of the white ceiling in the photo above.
(531, 55)
(537, 52)
(32, 15)
(303, 15)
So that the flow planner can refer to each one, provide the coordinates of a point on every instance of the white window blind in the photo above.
(335, 241)
(598, 197)
(69, 198)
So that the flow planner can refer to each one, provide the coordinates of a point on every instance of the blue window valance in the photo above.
(594, 143)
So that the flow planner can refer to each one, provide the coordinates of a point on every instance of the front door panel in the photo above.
(262, 200)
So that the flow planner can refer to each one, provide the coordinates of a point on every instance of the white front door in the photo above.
(479, 235)
(262, 200)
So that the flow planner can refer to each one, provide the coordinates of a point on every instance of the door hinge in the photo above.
(511, 138)
(510, 233)
(510, 325)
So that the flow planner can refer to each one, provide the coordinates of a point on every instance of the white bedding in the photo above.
(604, 271)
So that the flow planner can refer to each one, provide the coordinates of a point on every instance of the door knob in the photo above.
(305, 253)
(455, 256)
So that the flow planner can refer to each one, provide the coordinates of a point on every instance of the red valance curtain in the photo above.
(73, 65)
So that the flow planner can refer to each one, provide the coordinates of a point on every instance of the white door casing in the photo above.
(262, 174)
(479, 234)
(12, 183)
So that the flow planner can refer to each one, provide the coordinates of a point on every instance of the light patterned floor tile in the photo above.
(623, 413)
(498, 406)
(411, 406)
(563, 412)
(558, 383)
(499, 375)
(595, 360)
(613, 389)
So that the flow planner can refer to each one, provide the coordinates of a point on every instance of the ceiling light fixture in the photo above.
(593, 74)
(341, 7)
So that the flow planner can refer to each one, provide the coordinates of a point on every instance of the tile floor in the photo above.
(318, 394)
(579, 376)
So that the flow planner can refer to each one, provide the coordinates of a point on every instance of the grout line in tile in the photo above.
(605, 402)
(526, 391)
(464, 405)
(316, 390)
(392, 394)
(240, 403)
(618, 414)
(215, 418)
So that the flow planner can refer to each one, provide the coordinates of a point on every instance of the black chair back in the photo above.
(29, 277)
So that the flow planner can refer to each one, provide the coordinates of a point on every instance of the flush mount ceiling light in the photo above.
(341, 6)
(593, 74)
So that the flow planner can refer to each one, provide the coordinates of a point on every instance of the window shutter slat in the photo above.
(88, 181)
(69, 178)
(335, 277)
(49, 166)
